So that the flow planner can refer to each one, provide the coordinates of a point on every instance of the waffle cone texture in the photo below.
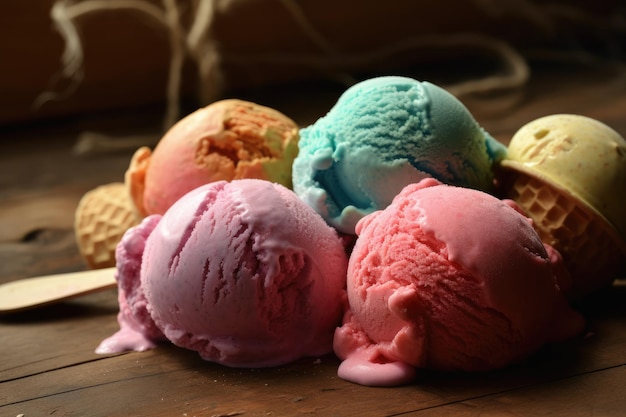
(102, 216)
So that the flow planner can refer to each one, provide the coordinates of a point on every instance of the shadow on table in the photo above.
(586, 353)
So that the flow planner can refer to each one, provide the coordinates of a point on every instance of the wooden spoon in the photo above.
(28, 293)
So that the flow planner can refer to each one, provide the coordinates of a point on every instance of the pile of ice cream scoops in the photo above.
(394, 231)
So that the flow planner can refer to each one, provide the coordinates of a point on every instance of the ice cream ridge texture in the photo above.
(383, 134)
(448, 278)
(568, 172)
(243, 272)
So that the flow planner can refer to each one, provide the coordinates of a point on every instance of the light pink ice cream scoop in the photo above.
(246, 274)
(137, 329)
(447, 278)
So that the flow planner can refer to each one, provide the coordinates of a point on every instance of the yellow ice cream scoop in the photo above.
(580, 155)
(569, 173)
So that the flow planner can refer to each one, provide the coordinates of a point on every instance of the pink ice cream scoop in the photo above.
(245, 273)
(447, 278)
(137, 329)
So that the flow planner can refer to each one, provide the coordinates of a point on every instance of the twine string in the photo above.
(197, 43)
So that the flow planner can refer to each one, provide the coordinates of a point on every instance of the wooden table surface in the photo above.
(47, 362)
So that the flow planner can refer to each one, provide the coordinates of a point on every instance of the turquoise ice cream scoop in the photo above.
(383, 134)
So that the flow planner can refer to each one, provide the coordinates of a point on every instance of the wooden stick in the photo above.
(27, 293)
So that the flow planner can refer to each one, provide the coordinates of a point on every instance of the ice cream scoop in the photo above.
(226, 140)
(385, 133)
(138, 331)
(568, 172)
(243, 272)
(447, 278)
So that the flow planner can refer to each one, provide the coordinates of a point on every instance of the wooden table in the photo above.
(47, 362)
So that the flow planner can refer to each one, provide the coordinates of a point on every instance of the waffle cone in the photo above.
(102, 216)
(592, 251)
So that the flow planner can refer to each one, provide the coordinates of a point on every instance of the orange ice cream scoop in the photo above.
(568, 172)
(226, 140)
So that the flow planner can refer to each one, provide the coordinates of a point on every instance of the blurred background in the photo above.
(67, 58)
